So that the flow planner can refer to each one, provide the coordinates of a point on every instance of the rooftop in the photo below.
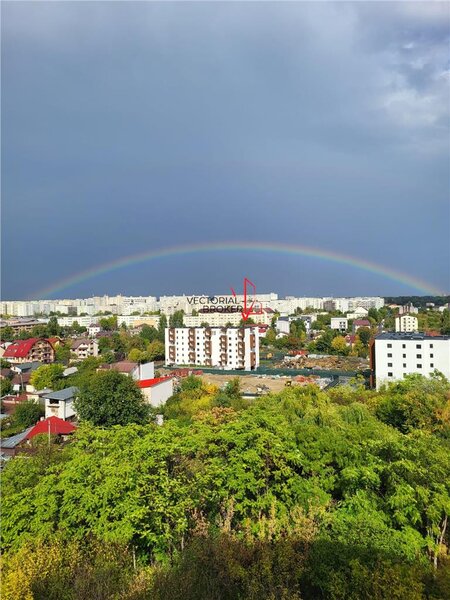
(398, 335)
(65, 394)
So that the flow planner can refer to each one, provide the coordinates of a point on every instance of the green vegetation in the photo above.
(26, 414)
(48, 376)
(300, 495)
(109, 398)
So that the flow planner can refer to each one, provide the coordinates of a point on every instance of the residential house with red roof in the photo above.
(157, 390)
(33, 349)
(53, 426)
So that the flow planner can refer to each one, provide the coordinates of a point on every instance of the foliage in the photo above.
(48, 376)
(176, 320)
(109, 398)
(303, 494)
(26, 414)
(6, 386)
(108, 323)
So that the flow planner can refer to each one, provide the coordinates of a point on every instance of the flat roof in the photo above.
(399, 335)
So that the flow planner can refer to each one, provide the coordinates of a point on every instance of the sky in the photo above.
(129, 127)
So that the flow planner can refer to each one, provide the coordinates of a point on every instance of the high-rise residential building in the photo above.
(394, 355)
(228, 348)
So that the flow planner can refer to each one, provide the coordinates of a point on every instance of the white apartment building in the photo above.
(406, 323)
(222, 319)
(339, 323)
(227, 348)
(136, 320)
(394, 355)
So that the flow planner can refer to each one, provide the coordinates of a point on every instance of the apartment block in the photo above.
(228, 348)
(394, 355)
(406, 323)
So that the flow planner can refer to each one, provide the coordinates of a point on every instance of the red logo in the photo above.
(251, 305)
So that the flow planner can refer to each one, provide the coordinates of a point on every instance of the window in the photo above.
(431, 355)
(389, 364)
(403, 345)
(431, 345)
(404, 365)
(389, 374)
(419, 366)
(389, 345)
(404, 356)
(389, 355)
(418, 356)
(418, 345)
(431, 365)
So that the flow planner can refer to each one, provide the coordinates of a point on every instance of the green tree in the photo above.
(155, 350)
(108, 323)
(53, 328)
(339, 345)
(62, 353)
(445, 325)
(364, 334)
(149, 333)
(27, 413)
(7, 334)
(48, 376)
(110, 398)
(162, 328)
(6, 386)
(176, 320)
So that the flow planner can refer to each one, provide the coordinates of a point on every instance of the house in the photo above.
(357, 323)
(33, 349)
(21, 442)
(9, 402)
(84, 347)
(93, 329)
(359, 313)
(406, 323)
(339, 323)
(131, 369)
(60, 403)
(157, 390)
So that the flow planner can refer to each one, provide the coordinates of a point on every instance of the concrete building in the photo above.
(31, 350)
(227, 348)
(84, 347)
(406, 323)
(339, 323)
(136, 320)
(394, 355)
(157, 390)
(60, 404)
(359, 313)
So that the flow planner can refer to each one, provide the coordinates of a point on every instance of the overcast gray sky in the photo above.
(128, 127)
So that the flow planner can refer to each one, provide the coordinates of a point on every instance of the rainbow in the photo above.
(270, 247)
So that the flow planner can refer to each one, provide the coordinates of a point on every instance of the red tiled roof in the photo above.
(20, 348)
(146, 383)
(56, 426)
(361, 322)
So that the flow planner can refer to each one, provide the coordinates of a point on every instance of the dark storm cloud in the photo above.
(131, 126)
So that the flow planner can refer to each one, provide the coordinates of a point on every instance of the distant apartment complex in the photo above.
(84, 308)
(227, 348)
(394, 355)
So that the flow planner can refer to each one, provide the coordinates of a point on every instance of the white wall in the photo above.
(406, 354)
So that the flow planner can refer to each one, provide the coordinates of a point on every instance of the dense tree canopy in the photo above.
(300, 495)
